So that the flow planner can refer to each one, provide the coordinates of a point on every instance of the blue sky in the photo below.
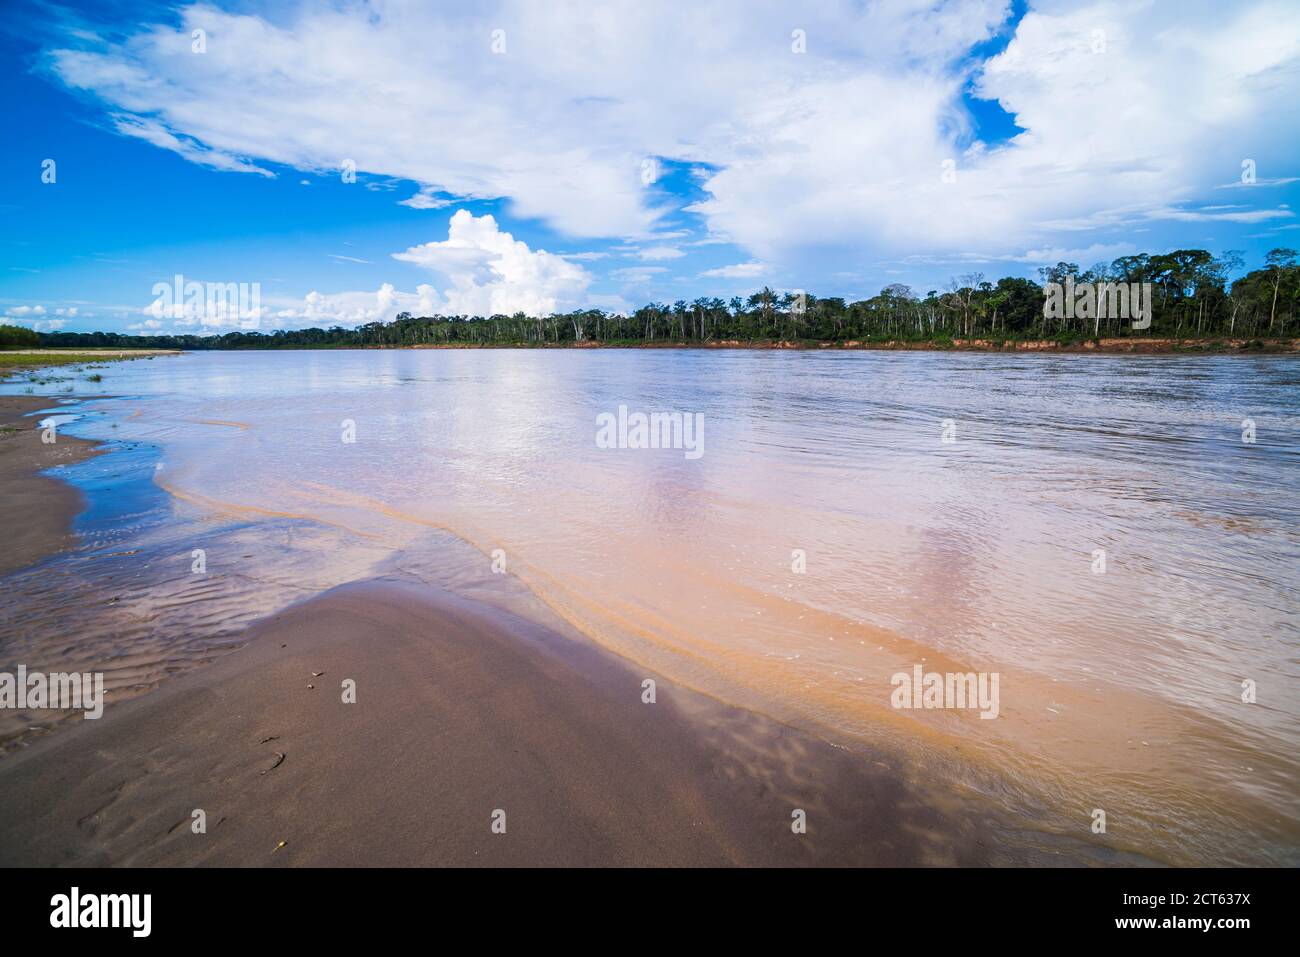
(630, 154)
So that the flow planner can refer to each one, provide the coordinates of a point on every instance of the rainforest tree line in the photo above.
(1193, 297)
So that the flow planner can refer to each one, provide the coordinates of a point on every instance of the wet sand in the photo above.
(461, 710)
(36, 511)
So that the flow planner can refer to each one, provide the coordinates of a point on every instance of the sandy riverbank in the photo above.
(36, 511)
(461, 710)
(102, 352)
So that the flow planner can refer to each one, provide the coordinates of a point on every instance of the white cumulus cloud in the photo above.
(1131, 112)
(491, 272)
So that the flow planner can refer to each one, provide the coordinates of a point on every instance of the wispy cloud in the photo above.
(425, 199)
(749, 270)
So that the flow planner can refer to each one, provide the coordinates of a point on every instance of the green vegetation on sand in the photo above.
(25, 360)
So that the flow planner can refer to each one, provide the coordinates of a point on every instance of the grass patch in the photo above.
(31, 360)
(15, 362)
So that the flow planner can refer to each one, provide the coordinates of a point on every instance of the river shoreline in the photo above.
(37, 510)
(1101, 346)
(1117, 346)
(389, 724)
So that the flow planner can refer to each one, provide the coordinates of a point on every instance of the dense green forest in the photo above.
(1193, 297)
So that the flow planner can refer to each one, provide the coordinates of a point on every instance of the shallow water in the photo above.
(1119, 690)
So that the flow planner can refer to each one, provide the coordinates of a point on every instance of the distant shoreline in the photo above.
(1110, 346)
(1116, 346)
(1134, 345)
